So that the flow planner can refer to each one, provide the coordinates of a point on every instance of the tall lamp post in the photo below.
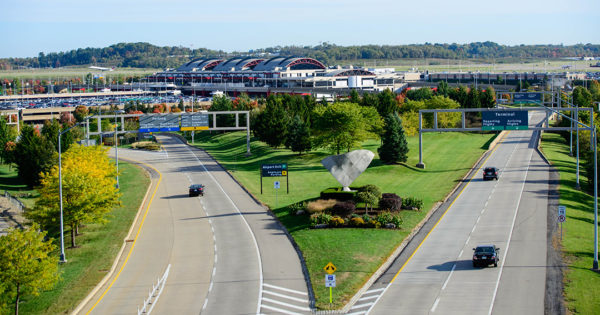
(116, 147)
(62, 236)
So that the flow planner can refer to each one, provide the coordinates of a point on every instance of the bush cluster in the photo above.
(320, 205)
(412, 203)
(344, 208)
(146, 145)
(390, 202)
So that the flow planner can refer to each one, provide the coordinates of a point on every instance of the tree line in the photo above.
(145, 55)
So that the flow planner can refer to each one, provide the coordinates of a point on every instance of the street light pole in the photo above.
(116, 147)
(595, 264)
(62, 237)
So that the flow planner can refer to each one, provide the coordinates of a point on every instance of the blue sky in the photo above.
(33, 26)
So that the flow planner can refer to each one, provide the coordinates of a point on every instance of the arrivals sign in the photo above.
(194, 122)
(504, 120)
(527, 98)
(156, 123)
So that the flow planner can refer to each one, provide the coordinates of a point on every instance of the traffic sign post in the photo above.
(276, 185)
(274, 170)
(562, 217)
(330, 279)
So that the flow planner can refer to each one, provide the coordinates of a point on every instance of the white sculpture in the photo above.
(345, 168)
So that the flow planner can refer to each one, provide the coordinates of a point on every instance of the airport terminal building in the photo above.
(279, 74)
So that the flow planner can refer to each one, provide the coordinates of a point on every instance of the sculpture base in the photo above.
(421, 165)
(345, 188)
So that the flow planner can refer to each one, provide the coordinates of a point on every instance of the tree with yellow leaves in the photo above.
(26, 266)
(88, 186)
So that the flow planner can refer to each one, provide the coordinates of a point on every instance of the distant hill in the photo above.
(145, 55)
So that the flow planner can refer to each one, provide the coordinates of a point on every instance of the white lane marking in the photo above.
(210, 288)
(435, 304)
(214, 271)
(368, 298)
(468, 239)
(280, 310)
(473, 230)
(215, 258)
(284, 296)
(205, 302)
(286, 304)
(461, 252)
(374, 290)
(478, 218)
(510, 234)
(449, 276)
(361, 305)
(247, 226)
(357, 313)
(284, 289)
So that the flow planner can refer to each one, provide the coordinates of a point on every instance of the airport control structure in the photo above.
(258, 76)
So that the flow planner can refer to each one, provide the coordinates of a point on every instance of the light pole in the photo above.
(116, 147)
(62, 236)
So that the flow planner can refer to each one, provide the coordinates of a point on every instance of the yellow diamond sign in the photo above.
(330, 268)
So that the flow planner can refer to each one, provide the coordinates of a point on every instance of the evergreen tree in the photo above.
(33, 155)
(298, 138)
(488, 98)
(394, 147)
(473, 98)
(271, 124)
(443, 89)
(354, 97)
(387, 103)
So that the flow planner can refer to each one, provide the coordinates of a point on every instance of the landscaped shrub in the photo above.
(397, 220)
(320, 218)
(338, 194)
(336, 221)
(343, 208)
(384, 218)
(146, 145)
(367, 218)
(374, 224)
(357, 222)
(412, 203)
(320, 205)
(372, 189)
(297, 207)
(391, 202)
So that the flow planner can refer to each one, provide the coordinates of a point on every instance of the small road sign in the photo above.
(277, 185)
(562, 210)
(330, 268)
(330, 281)
(561, 218)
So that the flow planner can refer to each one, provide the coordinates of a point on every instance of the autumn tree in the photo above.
(7, 134)
(27, 265)
(88, 186)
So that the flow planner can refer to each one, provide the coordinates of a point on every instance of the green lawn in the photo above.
(356, 253)
(582, 285)
(10, 181)
(99, 244)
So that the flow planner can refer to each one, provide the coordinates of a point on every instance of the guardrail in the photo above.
(16, 202)
(154, 294)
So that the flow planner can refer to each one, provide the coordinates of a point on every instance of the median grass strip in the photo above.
(356, 253)
(98, 246)
(582, 285)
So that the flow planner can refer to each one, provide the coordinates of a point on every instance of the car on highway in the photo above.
(196, 190)
(490, 173)
(485, 255)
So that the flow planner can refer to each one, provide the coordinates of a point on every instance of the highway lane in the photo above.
(227, 254)
(510, 213)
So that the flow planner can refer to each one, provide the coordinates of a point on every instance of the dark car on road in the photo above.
(485, 255)
(196, 190)
(490, 173)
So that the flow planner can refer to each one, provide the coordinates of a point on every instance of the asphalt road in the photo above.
(227, 254)
(510, 213)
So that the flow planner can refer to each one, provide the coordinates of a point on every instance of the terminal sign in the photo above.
(527, 98)
(504, 120)
(194, 122)
(273, 170)
(156, 123)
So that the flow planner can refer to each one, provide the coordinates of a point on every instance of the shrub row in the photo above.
(383, 219)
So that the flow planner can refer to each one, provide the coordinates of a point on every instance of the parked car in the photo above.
(490, 173)
(485, 255)
(196, 190)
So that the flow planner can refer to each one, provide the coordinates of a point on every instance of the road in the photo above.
(510, 213)
(227, 254)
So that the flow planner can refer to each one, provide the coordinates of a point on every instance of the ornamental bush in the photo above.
(320, 205)
(391, 202)
(343, 208)
(357, 222)
(412, 203)
(336, 221)
(320, 218)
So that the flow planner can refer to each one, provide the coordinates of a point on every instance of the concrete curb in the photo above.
(414, 231)
(95, 290)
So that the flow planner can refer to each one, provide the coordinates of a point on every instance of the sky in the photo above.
(34, 26)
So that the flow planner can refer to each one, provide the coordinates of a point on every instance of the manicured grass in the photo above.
(10, 181)
(98, 246)
(356, 253)
(582, 285)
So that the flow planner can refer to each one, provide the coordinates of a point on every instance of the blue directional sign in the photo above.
(527, 98)
(159, 122)
(505, 120)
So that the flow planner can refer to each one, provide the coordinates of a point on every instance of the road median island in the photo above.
(358, 253)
